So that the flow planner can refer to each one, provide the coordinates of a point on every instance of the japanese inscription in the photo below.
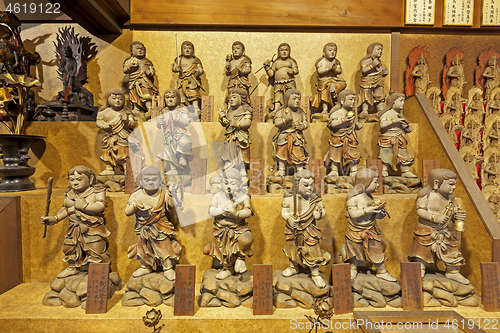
(262, 289)
(184, 290)
(256, 177)
(342, 292)
(97, 288)
(420, 12)
(411, 286)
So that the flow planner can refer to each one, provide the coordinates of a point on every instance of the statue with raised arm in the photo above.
(421, 74)
(301, 209)
(491, 75)
(289, 143)
(230, 207)
(177, 146)
(190, 70)
(328, 84)
(238, 67)
(363, 244)
(392, 140)
(436, 235)
(141, 80)
(85, 239)
(117, 122)
(237, 119)
(372, 79)
(157, 245)
(282, 71)
(343, 125)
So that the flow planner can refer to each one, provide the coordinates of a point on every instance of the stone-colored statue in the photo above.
(471, 160)
(328, 84)
(85, 239)
(343, 125)
(491, 171)
(421, 74)
(141, 79)
(177, 146)
(436, 235)
(392, 140)
(68, 70)
(474, 109)
(493, 104)
(456, 74)
(372, 79)
(289, 143)
(363, 244)
(491, 75)
(117, 123)
(471, 135)
(237, 120)
(493, 137)
(190, 69)
(156, 245)
(232, 238)
(282, 71)
(301, 209)
(238, 67)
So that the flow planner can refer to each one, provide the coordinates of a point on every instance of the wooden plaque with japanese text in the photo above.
(256, 177)
(199, 175)
(490, 286)
(132, 172)
(377, 166)
(184, 290)
(316, 166)
(258, 109)
(207, 108)
(97, 288)
(411, 286)
(342, 292)
(306, 106)
(262, 289)
(157, 106)
(427, 167)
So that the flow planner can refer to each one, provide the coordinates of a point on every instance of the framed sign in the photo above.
(491, 13)
(420, 12)
(458, 12)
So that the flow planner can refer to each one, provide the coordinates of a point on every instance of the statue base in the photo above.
(71, 291)
(76, 111)
(338, 184)
(151, 289)
(367, 289)
(278, 184)
(231, 292)
(298, 290)
(320, 117)
(395, 184)
(113, 183)
(438, 290)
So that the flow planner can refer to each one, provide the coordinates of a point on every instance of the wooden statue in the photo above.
(232, 238)
(117, 122)
(85, 239)
(238, 67)
(436, 235)
(289, 143)
(372, 79)
(177, 146)
(343, 125)
(392, 140)
(157, 246)
(328, 84)
(141, 80)
(363, 244)
(282, 71)
(301, 209)
(237, 120)
(190, 69)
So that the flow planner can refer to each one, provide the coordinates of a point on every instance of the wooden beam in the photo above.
(395, 50)
(10, 243)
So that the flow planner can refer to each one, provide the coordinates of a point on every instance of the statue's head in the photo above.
(150, 178)
(421, 59)
(115, 99)
(172, 98)
(305, 183)
(68, 52)
(80, 178)
(137, 49)
(347, 98)
(238, 49)
(456, 60)
(366, 180)
(284, 51)
(330, 51)
(374, 50)
(494, 158)
(187, 49)
(442, 181)
(396, 101)
(237, 97)
(292, 99)
(231, 181)
(492, 61)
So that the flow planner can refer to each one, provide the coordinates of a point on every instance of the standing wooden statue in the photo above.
(372, 80)
(238, 67)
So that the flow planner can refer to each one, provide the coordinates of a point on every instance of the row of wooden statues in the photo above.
(436, 235)
(289, 145)
(280, 71)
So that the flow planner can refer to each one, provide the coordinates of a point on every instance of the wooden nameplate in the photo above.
(411, 286)
(262, 289)
(342, 290)
(97, 289)
(184, 290)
